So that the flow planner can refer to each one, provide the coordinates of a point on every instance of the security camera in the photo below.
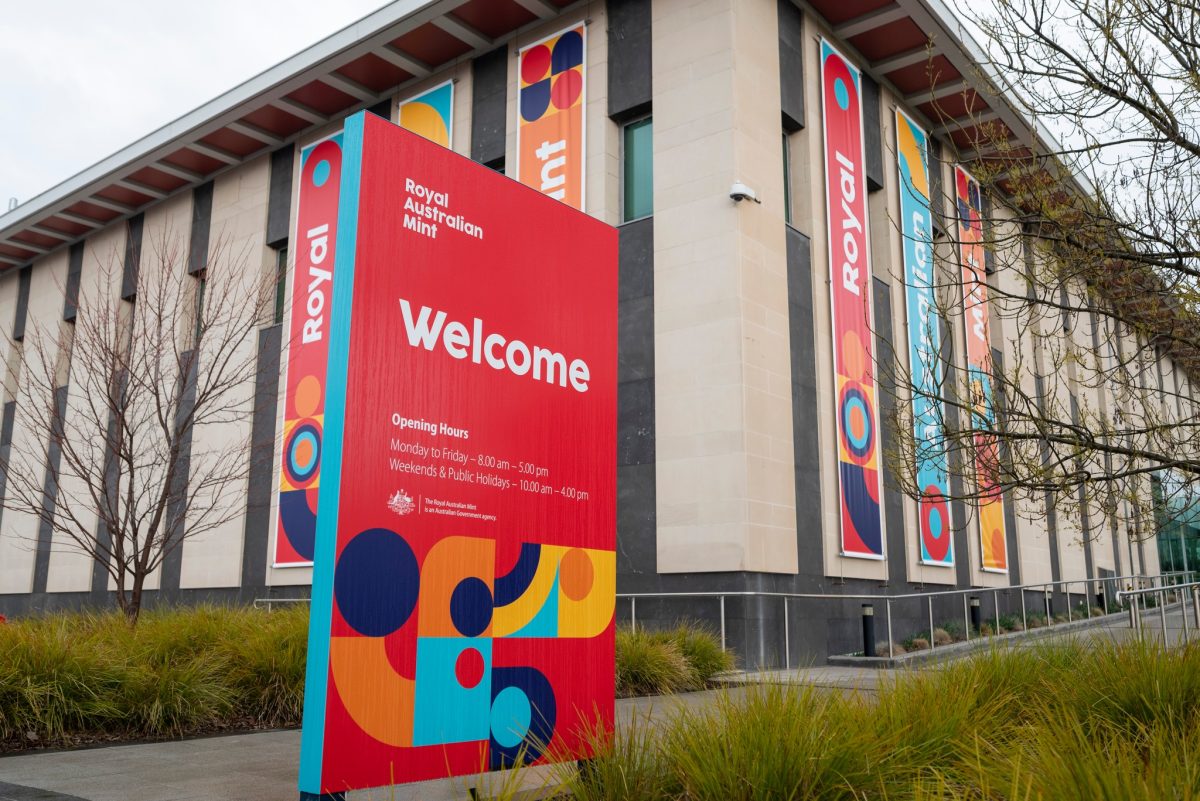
(739, 191)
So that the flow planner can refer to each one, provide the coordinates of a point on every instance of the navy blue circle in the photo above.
(535, 99)
(471, 607)
(375, 582)
(567, 52)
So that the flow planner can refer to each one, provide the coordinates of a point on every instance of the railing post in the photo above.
(1104, 597)
(1196, 605)
(1162, 615)
(932, 639)
(787, 636)
(1069, 618)
(996, 609)
(633, 614)
(868, 630)
(887, 605)
(1187, 637)
(723, 621)
(1048, 600)
(1024, 618)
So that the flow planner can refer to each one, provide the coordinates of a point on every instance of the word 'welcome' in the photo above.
(513, 355)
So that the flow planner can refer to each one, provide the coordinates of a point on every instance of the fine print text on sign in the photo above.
(464, 573)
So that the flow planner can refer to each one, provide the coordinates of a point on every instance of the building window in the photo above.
(787, 180)
(637, 170)
(281, 258)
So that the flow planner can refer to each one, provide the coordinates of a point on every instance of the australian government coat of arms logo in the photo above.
(401, 503)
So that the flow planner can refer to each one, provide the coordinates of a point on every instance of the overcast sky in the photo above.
(80, 79)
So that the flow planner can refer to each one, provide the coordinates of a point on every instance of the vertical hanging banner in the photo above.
(979, 372)
(465, 569)
(850, 291)
(924, 344)
(550, 106)
(307, 352)
(431, 114)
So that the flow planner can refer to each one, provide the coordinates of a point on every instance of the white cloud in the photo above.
(80, 80)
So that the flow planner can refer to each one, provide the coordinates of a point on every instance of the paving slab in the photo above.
(259, 766)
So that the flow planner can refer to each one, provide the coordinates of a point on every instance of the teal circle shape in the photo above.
(511, 715)
(321, 172)
(841, 93)
(935, 524)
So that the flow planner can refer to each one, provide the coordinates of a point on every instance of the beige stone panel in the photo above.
(18, 576)
(99, 287)
(19, 530)
(212, 555)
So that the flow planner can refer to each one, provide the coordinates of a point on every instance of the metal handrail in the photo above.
(1045, 587)
(1135, 614)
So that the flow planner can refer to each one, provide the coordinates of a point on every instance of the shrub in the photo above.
(649, 663)
(917, 644)
(881, 648)
(954, 629)
(702, 650)
(985, 630)
(1011, 622)
(941, 637)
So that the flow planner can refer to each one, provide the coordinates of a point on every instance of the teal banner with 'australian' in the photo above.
(924, 344)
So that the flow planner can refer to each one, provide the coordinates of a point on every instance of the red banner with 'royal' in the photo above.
(307, 352)
(850, 297)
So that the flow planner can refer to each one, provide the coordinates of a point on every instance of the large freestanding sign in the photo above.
(979, 373)
(850, 290)
(307, 352)
(551, 100)
(924, 344)
(464, 579)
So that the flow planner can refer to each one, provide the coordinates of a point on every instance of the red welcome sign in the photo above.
(850, 298)
(464, 572)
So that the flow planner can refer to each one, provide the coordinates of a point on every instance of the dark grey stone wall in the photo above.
(74, 272)
(872, 134)
(202, 197)
(262, 460)
(629, 58)
(489, 101)
(636, 496)
(937, 188)
(791, 65)
(279, 198)
(1012, 542)
(893, 498)
(133, 256)
(177, 489)
(22, 312)
(45, 538)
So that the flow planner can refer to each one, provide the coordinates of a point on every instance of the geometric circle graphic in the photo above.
(858, 434)
(469, 667)
(511, 716)
(471, 607)
(302, 453)
(375, 582)
(934, 513)
(576, 574)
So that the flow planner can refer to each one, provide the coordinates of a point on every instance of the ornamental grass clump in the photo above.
(1061, 721)
(83, 677)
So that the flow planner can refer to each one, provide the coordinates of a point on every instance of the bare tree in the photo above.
(1093, 253)
(133, 401)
